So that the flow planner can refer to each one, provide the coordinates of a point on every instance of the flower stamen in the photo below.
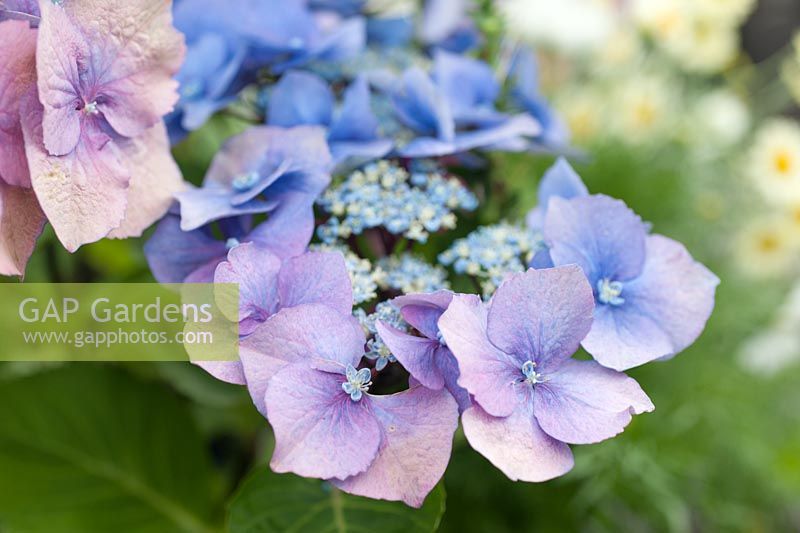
(358, 382)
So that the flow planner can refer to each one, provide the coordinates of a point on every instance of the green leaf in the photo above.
(91, 449)
(268, 502)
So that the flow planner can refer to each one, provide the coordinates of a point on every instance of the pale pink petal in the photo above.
(63, 59)
(155, 178)
(418, 426)
(17, 76)
(84, 193)
(21, 223)
(129, 55)
(517, 445)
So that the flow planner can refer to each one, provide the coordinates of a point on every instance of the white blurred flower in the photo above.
(700, 35)
(774, 162)
(622, 49)
(644, 108)
(720, 118)
(767, 248)
(732, 11)
(659, 18)
(701, 43)
(582, 111)
(770, 352)
(572, 26)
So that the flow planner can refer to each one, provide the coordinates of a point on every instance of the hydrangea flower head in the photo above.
(329, 425)
(93, 130)
(653, 299)
(530, 398)
(426, 356)
(302, 98)
(257, 172)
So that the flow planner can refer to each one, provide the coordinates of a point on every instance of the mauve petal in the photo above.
(351, 154)
(541, 315)
(84, 194)
(541, 259)
(487, 373)
(560, 181)
(356, 121)
(17, 77)
(448, 368)
(27, 9)
(300, 98)
(517, 445)
(512, 130)
(173, 254)
(422, 311)
(204, 273)
(422, 147)
(227, 371)
(135, 52)
(441, 18)
(201, 206)
(63, 60)
(21, 223)
(319, 431)
(155, 178)
(265, 148)
(289, 228)
(131, 116)
(468, 83)
(600, 234)
(583, 402)
(316, 277)
(665, 309)
(622, 337)
(421, 106)
(255, 269)
(308, 333)
(416, 354)
(418, 426)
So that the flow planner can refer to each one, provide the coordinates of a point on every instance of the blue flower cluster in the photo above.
(409, 274)
(384, 194)
(490, 253)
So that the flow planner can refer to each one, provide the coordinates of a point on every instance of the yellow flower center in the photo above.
(783, 162)
(768, 243)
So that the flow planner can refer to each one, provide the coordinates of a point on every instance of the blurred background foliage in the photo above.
(165, 447)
